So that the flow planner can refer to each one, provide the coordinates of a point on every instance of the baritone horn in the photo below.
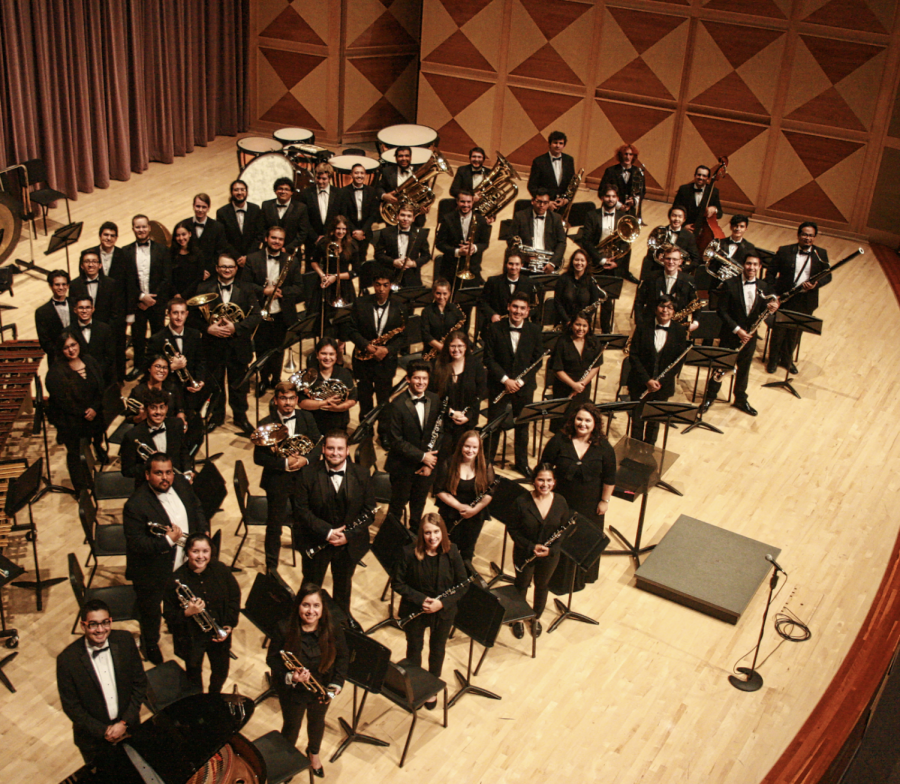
(718, 264)
(416, 193)
(619, 242)
(497, 189)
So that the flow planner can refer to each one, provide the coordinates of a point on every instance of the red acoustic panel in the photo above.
(382, 71)
(839, 59)
(289, 112)
(463, 10)
(384, 30)
(810, 201)
(290, 26)
(630, 120)
(552, 18)
(459, 50)
(636, 78)
(848, 15)
(644, 29)
(739, 42)
(818, 153)
(731, 92)
(724, 137)
(543, 108)
(547, 61)
(828, 108)
(457, 94)
(291, 67)
(382, 114)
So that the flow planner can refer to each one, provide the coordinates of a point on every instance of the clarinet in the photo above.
(438, 426)
(593, 364)
(665, 372)
(364, 519)
(491, 488)
(554, 536)
(522, 375)
(819, 275)
(449, 592)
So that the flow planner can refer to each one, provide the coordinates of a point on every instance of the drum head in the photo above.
(258, 144)
(407, 135)
(264, 170)
(420, 155)
(10, 225)
(295, 136)
(343, 167)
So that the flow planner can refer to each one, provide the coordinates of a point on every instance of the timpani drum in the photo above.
(343, 169)
(289, 136)
(406, 136)
(419, 155)
(264, 170)
(251, 147)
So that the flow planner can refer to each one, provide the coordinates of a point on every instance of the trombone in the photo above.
(293, 663)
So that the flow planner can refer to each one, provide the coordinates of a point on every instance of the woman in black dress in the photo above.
(572, 356)
(329, 413)
(537, 517)
(75, 406)
(187, 264)
(159, 376)
(336, 260)
(217, 592)
(575, 289)
(457, 484)
(463, 379)
(585, 465)
(426, 570)
(320, 646)
(440, 318)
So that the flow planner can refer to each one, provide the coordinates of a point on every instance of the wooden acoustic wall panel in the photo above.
(871, 16)
(883, 213)
(459, 109)
(770, 9)
(530, 115)
(462, 33)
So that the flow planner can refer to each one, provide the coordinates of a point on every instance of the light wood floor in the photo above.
(641, 697)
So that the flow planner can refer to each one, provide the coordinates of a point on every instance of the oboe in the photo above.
(364, 519)
(449, 592)
(553, 537)
(522, 375)
(668, 368)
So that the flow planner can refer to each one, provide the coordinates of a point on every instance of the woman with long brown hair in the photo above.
(319, 644)
(462, 379)
(336, 266)
(458, 482)
(572, 355)
(575, 288)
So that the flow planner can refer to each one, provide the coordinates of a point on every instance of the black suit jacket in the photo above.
(102, 348)
(462, 180)
(211, 244)
(685, 198)
(160, 276)
(150, 558)
(436, 325)
(274, 471)
(176, 448)
(496, 295)
(387, 180)
(82, 697)
(591, 233)
(109, 302)
(407, 440)
(371, 203)
(417, 250)
(240, 242)
(732, 311)
(316, 514)
(651, 291)
(500, 360)
(362, 329)
(240, 343)
(450, 235)
(613, 176)
(295, 222)
(554, 233)
(49, 327)
(191, 347)
(805, 302)
(409, 581)
(646, 363)
(542, 175)
(255, 275)
(310, 197)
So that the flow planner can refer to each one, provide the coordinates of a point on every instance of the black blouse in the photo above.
(331, 420)
(580, 480)
(216, 586)
(436, 325)
(571, 295)
(71, 395)
(565, 358)
(347, 262)
(466, 390)
(527, 528)
(310, 655)
(412, 582)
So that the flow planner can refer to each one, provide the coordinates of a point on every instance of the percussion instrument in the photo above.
(251, 147)
(406, 136)
(263, 171)
(19, 362)
(307, 156)
(160, 234)
(294, 136)
(9, 470)
(10, 224)
(343, 166)
(420, 156)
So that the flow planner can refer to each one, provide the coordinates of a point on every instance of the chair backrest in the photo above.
(414, 330)
(398, 682)
(87, 517)
(241, 486)
(369, 661)
(37, 171)
(623, 374)
(76, 579)
(88, 463)
(389, 542)
(548, 312)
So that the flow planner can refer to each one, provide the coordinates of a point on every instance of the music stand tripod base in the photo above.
(786, 384)
(754, 680)
(352, 731)
(465, 683)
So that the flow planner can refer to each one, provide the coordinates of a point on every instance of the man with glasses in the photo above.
(95, 337)
(541, 229)
(101, 682)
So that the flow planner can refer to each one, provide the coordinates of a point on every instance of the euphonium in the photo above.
(535, 258)
(619, 242)
(718, 264)
(497, 189)
(416, 193)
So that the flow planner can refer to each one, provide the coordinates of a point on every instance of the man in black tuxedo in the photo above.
(95, 337)
(115, 266)
(359, 205)
(734, 247)
(539, 228)
(332, 494)
(620, 175)
(240, 219)
(188, 345)
(742, 300)
(509, 348)
(101, 681)
(281, 474)
(51, 318)
(227, 345)
(393, 175)
(499, 289)
(470, 176)
(323, 205)
(262, 271)
(159, 432)
(373, 316)
(148, 287)
(600, 224)
(169, 500)
(454, 230)
(411, 460)
(689, 195)
(553, 171)
(402, 247)
(796, 264)
(105, 293)
(282, 211)
(208, 234)
(669, 283)
(657, 342)
(676, 235)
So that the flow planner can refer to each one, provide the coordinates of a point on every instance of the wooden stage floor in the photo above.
(643, 696)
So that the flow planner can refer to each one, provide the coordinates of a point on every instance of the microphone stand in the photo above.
(754, 680)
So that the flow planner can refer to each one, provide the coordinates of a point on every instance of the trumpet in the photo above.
(132, 405)
(204, 620)
(416, 192)
(158, 529)
(145, 452)
(184, 375)
(293, 663)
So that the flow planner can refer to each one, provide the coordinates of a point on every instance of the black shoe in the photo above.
(213, 424)
(133, 374)
(524, 470)
(320, 772)
(102, 456)
(431, 705)
(746, 408)
(772, 367)
(793, 369)
(518, 630)
(536, 628)
(243, 424)
(354, 625)
(630, 278)
(152, 654)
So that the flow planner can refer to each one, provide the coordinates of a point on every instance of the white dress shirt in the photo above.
(240, 213)
(106, 261)
(670, 283)
(557, 168)
(225, 294)
(273, 270)
(659, 336)
(403, 243)
(159, 437)
(177, 515)
(607, 223)
(381, 316)
(749, 295)
(106, 674)
(802, 265)
(477, 177)
(198, 228)
(92, 285)
(86, 331)
(465, 222)
(403, 176)
(142, 258)
(419, 409)
(62, 310)
(323, 204)
(337, 481)
(358, 196)
(538, 225)
(281, 208)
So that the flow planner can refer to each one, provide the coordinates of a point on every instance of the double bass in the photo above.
(707, 229)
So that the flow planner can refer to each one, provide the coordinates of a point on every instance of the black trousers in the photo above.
(742, 374)
(293, 708)
(271, 335)
(540, 570)
(156, 318)
(149, 601)
(408, 487)
(437, 641)
(373, 378)
(277, 500)
(222, 363)
(342, 569)
(120, 332)
(219, 662)
(518, 401)
(73, 460)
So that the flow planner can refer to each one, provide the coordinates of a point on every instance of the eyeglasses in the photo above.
(94, 625)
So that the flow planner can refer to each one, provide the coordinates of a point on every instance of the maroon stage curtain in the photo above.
(100, 88)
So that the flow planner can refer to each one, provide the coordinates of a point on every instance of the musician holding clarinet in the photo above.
(574, 363)
(309, 663)
(425, 577)
(201, 606)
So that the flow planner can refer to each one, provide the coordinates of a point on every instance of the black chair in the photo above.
(103, 485)
(579, 212)
(414, 337)
(515, 610)
(121, 599)
(43, 197)
(521, 204)
(167, 683)
(254, 510)
(446, 205)
(410, 687)
(105, 541)
(283, 760)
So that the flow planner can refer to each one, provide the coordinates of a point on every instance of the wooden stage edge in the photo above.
(819, 745)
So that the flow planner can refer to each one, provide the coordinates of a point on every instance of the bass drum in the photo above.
(263, 171)
(10, 225)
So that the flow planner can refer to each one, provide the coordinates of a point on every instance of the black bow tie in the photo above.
(477, 171)
(155, 430)
(539, 217)
(698, 190)
(240, 209)
(749, 282)
(417, 400)
(556, 157)
(96, 653)
(83, 327)
(361, 187)
(289, 418)
(63, 304)
(404, 232)
(144, 244)
(225, 286)
(660, 326)
(609, 214)
(271, 258)
(90, 281)
(335, 473)
(321, 192)
(515, 329)
(199, 225)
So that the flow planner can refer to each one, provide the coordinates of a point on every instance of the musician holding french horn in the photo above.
(202, 606)
(331, 393)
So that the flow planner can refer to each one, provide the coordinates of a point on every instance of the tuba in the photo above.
(497, 189)
(718, 264)
(619, 242)
(416, 193)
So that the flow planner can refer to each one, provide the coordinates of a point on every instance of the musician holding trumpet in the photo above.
(157, 433)
(183, 347)
(202, 593)
(462, 238)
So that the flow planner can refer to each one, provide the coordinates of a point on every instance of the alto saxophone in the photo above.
(364, 356)
(433, 352)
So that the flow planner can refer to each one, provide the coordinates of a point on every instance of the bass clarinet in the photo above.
(449, 592)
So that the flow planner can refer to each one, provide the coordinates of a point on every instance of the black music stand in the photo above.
(40, 425)
(21, 493)
(368, 665)
(479, 615)
(583, 546)
(502, 508)
(713, 358)
(495, 424)
(614, 407)
(466, 299)
(387, 547)
(544, 411)
(63, 237)
(798, 322)
(665, 412)
(636, 472)
(205, 415)
(611, 284)
(414, 297)
(550, 337)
